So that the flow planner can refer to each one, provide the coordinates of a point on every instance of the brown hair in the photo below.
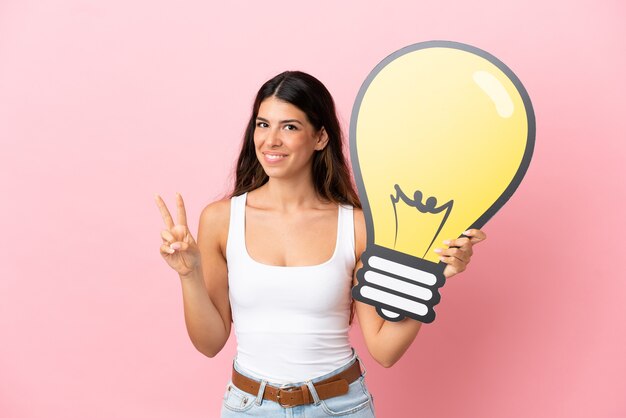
(331, 176)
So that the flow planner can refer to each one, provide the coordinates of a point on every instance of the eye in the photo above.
(291, 127)
(261, 124)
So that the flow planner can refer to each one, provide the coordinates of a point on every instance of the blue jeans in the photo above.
(357, 403)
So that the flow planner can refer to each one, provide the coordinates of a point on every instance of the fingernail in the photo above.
(170, 251)
(175, 246)
(467, 232)
(437, 250)
(442, 259)
(447, 242)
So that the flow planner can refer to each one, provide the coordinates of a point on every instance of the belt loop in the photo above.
(259, 396)
(362, 365)
(306, 394)
(316, 398)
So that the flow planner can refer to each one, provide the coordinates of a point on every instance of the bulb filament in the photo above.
(429, 206)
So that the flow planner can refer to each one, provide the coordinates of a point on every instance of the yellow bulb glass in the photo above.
(440, 133)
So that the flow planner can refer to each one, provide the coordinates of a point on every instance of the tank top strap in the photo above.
(235, 246)
(346, 231)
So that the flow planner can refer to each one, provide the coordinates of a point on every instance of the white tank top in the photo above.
(291, 323)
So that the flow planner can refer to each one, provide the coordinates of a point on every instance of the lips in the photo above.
(271, 157)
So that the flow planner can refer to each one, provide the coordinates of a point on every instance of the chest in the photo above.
(301, 239)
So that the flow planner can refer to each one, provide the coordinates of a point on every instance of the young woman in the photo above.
(278, 259)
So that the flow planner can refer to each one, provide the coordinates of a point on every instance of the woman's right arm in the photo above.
(203, 273)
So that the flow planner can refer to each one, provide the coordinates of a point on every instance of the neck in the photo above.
(290, 194)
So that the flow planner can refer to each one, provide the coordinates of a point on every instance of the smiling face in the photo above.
(285, 140)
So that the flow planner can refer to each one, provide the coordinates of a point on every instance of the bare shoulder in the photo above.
(360, 232)
(218, 211)
(359, 218)
(213, 226)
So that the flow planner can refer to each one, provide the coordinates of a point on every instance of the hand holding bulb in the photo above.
(459, 252)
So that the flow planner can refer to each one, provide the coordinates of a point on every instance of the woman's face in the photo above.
(285, 140)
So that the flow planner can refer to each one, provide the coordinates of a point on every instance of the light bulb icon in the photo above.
(441, 135)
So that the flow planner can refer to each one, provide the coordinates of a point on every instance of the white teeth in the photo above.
(274, 157)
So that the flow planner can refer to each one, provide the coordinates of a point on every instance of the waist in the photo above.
(292, 359)
(335, 383)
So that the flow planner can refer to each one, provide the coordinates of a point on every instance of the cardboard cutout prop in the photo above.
(441, 136)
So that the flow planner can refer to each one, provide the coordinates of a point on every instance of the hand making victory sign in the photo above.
(179, 249)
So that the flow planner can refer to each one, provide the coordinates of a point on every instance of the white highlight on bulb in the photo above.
(393, 300)
(496, 92)
(401, 270)
(398, 285)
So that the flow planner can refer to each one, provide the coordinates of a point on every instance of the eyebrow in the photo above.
(282, 121)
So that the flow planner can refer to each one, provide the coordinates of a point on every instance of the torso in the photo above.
(303, 238)
(300, 245)
(290, 302)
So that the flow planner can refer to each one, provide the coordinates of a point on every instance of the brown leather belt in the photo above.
(288, 397)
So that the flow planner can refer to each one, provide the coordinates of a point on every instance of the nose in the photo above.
(273, 138)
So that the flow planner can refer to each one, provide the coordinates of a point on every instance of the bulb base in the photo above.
(399, 285)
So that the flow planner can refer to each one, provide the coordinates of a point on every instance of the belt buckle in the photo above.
(288, 389)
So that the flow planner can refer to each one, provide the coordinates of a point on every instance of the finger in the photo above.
(476, 235)
(167, 237)
(165, 214)
(454, 262)
(179, 246)
(458, 253)
(463, 243)
(166, 250)
(459, 242)
(182, 215)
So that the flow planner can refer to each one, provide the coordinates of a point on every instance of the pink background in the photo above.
(104, 103)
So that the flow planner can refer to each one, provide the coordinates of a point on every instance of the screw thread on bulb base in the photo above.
(399, 285)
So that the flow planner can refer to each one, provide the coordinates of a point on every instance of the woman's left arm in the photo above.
(387, 341)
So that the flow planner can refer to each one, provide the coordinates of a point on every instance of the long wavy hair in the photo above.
(331, 176)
